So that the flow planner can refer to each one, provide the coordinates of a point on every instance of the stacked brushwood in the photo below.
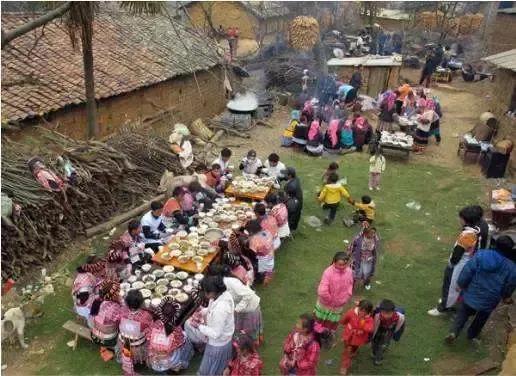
(303, 33)
(286, 74)
(113, 176)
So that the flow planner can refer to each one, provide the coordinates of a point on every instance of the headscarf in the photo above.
(108, 290)
(314, 130)
(114, 256)
(308, 108)
(295, 115)
(332, 131)
(421, 103)
(390, 99)
(168, 313)
(361, 123)
(430, 104)
(347, 124)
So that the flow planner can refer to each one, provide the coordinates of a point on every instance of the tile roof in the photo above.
(266, 9)
(129, 52)
(506, 60)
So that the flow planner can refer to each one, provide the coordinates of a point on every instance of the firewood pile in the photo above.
(111, 177)
(287, 74)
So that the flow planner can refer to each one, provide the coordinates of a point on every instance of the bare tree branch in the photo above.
(8, 36)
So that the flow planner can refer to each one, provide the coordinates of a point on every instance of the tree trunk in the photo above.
(8, 36)
(89, 83)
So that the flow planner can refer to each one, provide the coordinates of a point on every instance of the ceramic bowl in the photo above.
(183, 259)
(155, 302)
(198, 276)
(182, 275)
(170, 276)
(161, 289)
(176, 284)
(162, 282)
(168, 268)
(149, 278)
(138, 285)
(125, 286)
(188, 289)
(132, 279)
(202, 252)
(158, 273)
(146, 293)
(166, 256)
(176, 253)
(146, 267)
(173, 246)
(189, 254)
(174, 292)
(182, 234)
(150, 285)
(198, 259)
(182, 297)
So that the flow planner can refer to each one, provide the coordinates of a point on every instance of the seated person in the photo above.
(346, 135)
(301, 132)
(332, 137)
(153, 229)
(274, 167)
(203, 199)
(131, 242)
(214, 178)
(250, 164)
(362, 131)
(314, 144)
(225, 167)
(288, 132)
(173, 212)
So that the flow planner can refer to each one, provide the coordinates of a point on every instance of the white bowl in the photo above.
(146, 267)
(168, 268)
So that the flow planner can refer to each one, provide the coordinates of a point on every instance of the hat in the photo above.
(251, 153)
(175, 138)
(289, 171)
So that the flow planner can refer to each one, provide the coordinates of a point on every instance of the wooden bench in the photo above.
(79, 331)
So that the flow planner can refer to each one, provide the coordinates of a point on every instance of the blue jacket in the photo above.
(486, 279)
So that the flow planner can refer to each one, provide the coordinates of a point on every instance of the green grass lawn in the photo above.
(415, 247)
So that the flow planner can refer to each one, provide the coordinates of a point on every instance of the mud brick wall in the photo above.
(187, 99)
(501, 96)
(502, 34)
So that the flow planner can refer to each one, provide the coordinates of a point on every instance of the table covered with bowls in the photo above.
(397, 141)
(250, 187)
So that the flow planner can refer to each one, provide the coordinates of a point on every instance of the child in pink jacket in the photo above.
(335, 290)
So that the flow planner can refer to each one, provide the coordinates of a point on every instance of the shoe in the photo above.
(367, 287)
(326, 221)
(377, 362)
(450, 338)
(370, 188)
(377, 188)
(435, 312)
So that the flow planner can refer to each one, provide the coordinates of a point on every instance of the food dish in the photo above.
(168, 268)
(146, 293)
(176, 284)
(182, 275)
(181, 297)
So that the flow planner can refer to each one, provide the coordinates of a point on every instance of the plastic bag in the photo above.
(414, 205)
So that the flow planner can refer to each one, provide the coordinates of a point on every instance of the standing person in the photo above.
(105, 313)
(268, 223)
(376, 169)
(435, 127)
(247, 361)
(301, 349)
(387, 110)
(152, 227)
(168, 348)
(304, 80)
(274, 166)
(427, 71)
(463, 250)
(215, 325)
(334, 291)
(424, 122)
(364, 250)
(402, 93)
(261, 242)
(135, 323)
(214, 178)
(279, 211)
(331, 196)
(294, 208)
(488, 278)
(250, 164)
(389, 324)
(356, 77)
(333, 168)
(248, 314)
(358, 325)
(483, 226)
(241, 265)
(293, 183)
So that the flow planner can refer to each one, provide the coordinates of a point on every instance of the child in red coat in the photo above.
(358, 325)
(247, 362)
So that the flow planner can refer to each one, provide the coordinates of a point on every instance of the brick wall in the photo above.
(502, 34)
(180, 94)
